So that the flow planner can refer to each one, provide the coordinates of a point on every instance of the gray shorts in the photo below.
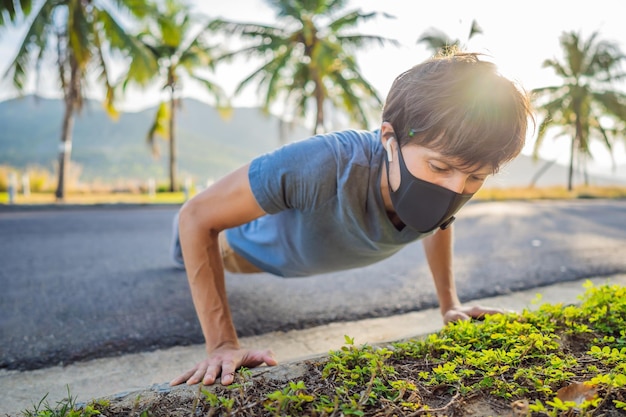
(234, 262)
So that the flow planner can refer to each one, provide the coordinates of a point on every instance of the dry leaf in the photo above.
(520, 408)
(578, 392)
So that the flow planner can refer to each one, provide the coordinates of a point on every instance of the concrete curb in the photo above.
(143, 374)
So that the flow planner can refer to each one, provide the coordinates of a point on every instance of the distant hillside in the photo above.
(208, 146)
(522, 170)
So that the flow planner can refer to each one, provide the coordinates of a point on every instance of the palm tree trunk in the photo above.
(576, 140)
(173, 185)
(65, 150)
(570, 173)
(319, 101)
(70, 98)
(546, 166)
(583, 164)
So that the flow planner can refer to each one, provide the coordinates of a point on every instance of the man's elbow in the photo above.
(193, 218)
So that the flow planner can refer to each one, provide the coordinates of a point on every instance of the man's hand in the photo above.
(224, 362)
(470, 312)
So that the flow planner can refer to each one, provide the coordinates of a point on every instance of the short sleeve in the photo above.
(301, 175)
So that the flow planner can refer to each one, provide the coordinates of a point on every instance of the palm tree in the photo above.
(179, 47)
(441, 44)
(77, 34)
(308, 59)
(586, 105)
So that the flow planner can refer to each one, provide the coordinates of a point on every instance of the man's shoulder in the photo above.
(349, 142)
(362, 137)
(338, 148)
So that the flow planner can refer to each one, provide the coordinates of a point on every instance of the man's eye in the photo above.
(438, 168)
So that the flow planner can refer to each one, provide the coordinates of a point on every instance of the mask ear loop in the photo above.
(388, 149)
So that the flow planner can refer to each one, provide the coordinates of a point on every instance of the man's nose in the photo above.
(456, 183)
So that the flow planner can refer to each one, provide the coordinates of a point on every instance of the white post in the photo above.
(26, 185)
(187, 188)
(12, 187)
(151, 187)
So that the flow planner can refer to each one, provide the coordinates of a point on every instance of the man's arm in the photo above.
(438, 248)
(227, 203)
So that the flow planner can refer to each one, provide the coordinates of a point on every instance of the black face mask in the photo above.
(421, 205)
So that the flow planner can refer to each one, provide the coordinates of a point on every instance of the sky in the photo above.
(518, 36)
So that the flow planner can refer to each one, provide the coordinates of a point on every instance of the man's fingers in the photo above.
(454, 315)
(201, 372)
(224, 363)
(182, 378)
(480, 311)
(228, 372)
(268, 358)
(209, 376)
(258, 357)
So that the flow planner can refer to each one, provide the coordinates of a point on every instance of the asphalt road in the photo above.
(79, 283)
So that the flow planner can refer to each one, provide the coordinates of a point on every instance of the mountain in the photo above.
(208, 146)
(523, 170)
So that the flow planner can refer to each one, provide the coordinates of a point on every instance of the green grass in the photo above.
(550, 193)
(67, 407)
(97, 198)
(488, 194)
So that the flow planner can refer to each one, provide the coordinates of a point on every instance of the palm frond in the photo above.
(37, 39)
(159, 127)
(434, 37)
(103, 77)
(613, 103)
(246, 30)
(143, 64)
(135, 8)
(79, 31)
(475, 29)
(363, 41)
(351, 20)
(272, 68)
(12, 11)
(197, 54)
(216, 91)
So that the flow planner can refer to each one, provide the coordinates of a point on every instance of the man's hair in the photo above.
(461, 107)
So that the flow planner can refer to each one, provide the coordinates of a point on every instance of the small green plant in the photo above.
(290, 399)
(65, 408)
(218, 402)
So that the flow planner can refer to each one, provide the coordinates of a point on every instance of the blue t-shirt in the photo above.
(325, 208)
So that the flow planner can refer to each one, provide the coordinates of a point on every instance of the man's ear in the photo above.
(386, 130)
(387, 137)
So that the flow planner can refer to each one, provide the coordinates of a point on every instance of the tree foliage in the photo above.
(441, 44)
(178, 45)
(14, 10)
(308, 59)
(76, 36)
(588, 104)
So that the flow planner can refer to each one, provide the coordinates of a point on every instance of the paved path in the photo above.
(86, 283)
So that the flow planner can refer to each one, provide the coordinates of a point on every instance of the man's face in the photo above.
(431, 166)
